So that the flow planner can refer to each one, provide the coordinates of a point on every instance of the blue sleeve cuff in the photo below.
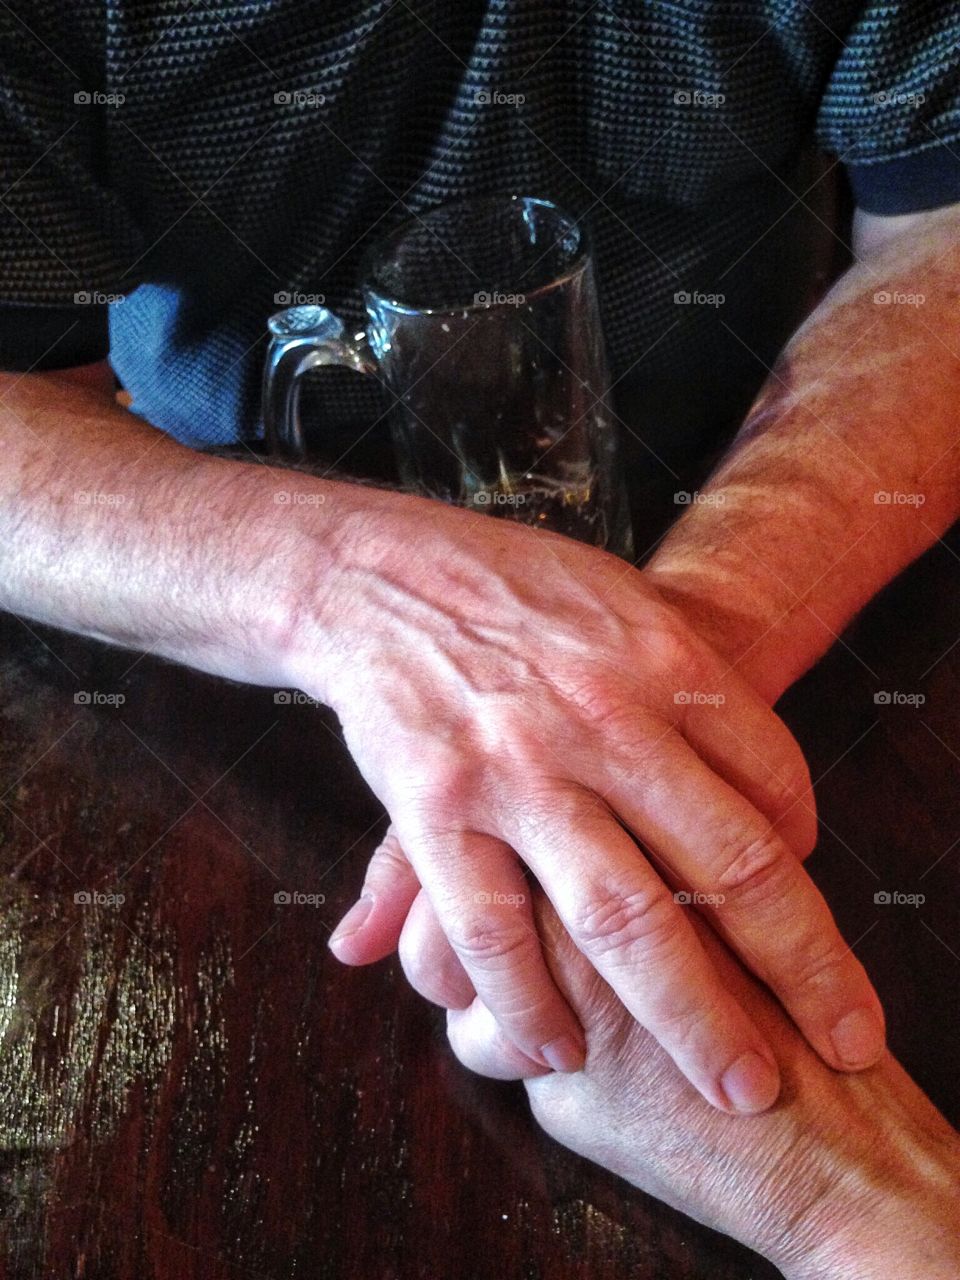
(52, 337)
(927, 179)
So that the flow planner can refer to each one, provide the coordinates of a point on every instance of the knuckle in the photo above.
(673, 648)
(680, 1022)
(449, 786)
(788, 800)
(789, 787)
(806, 844)
(487, 941)
(818, 965)
(526, 809)
(619, 715)
(599, 701)
(803, 811)
(389, 859)
(569, 812)
(616, 922)
(757, 871)
(452, 783)
(784, 788)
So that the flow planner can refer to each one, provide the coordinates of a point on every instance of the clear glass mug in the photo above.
(485, 328)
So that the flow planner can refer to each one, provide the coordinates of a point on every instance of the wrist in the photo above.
(913, 1247)
(352, 545)
(297, 603)
(861, 1178)
(766, 641)
(898, 1221)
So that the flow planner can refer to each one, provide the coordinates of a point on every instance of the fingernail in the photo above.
(564, 1054)
(353, 920)
(858, 1039)
(752, 1084)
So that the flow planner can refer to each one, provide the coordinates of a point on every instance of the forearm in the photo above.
(790, 538)
(112, 529)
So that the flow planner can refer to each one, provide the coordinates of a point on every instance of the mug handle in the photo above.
(303, 338)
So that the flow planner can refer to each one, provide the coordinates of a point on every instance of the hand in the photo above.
(848, 1178)
(513, 694)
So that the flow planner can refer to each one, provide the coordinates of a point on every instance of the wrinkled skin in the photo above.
(849, 1177)
(525, 699)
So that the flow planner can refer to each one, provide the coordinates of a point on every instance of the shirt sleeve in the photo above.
(891, 111)
(66, 242)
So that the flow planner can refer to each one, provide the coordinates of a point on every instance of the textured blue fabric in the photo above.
(158, 150)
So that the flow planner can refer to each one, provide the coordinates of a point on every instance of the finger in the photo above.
(371, 928)
(429, 961)
(623, 918)
(750, 747)
(481, 899)
(607, 1023)
(761, 900)
(479, 1042)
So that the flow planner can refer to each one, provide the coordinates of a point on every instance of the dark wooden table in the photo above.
(190, 1086)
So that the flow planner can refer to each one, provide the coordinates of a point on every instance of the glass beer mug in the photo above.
(485, 329)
